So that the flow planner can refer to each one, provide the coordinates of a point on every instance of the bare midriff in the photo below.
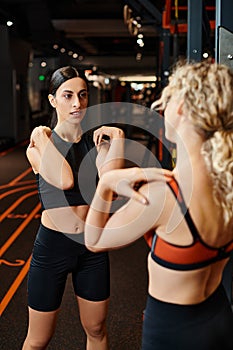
(65, 219)
(183, 287)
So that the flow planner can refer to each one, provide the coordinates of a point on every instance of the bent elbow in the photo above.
(67, 184)
(93, 249)
(66, 179)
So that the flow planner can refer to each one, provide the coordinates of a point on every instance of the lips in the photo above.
(76, 113)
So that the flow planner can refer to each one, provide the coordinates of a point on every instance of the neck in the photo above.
(189, 163)
(69, 133)
(188, 143)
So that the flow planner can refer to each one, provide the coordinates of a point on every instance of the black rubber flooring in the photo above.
(19, 219)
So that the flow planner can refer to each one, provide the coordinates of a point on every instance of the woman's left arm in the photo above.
(109, 142)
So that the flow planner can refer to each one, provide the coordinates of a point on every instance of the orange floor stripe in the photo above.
(21, 183)
(19, 230)
(11, 149)
(15, 285)
(15, 204)
(17, 178)
(18, 189)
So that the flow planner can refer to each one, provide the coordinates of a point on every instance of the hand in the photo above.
(124, 182)
(107, 134)
(37, 133)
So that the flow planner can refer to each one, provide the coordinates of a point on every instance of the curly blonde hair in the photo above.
(207, 91)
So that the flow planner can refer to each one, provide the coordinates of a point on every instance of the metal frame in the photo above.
(153, 12)
(194, 34)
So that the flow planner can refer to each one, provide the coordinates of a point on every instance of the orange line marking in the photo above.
(18, 189)
(21, 183)
(17, 262)
(15, 204)
(19, 230)
(15, 285)
(23, 143)
(17, 178)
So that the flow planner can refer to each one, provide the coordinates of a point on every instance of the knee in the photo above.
(95, 330)
(35, 344)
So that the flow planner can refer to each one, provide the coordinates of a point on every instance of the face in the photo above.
(71, 100)
(171, 119)
(172, 116)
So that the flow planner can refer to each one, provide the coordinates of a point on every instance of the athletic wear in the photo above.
(204, 326)
(55, 255)
(196, 255)
(81, 157)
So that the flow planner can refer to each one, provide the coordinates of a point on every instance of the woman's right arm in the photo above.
(139, 215)
(47, 160)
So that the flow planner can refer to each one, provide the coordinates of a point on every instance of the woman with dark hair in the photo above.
(67, 163)
(187, 214)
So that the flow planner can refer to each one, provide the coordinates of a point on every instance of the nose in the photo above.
(76, 101)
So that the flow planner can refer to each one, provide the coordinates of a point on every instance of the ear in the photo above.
(179, 108)
(52, 100)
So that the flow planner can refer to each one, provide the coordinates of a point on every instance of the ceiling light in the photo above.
(139, 78)
(139, 42)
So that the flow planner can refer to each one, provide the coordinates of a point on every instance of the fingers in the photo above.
(37, 132)
(127, 182)
(126, 188)
(98, 136)
(122, 182)
(106, 134)
(138, 196)
(47, 130)
(144, 175)
(40, 130)
(156, 174)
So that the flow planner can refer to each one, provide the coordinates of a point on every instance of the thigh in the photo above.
(47, 276)
(41, 327)
(91, 279)
(92, 313)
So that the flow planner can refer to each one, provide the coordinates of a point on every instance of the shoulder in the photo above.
(156, 192)
(162, 203)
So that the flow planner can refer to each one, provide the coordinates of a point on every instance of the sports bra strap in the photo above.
(176, 190)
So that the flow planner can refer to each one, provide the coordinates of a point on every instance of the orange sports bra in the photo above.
(191, 257)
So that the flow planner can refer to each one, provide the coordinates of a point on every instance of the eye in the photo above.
(83, 95)
(68, 96)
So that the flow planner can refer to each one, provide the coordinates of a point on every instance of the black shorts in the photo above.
(54, 256)
(204, 326)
